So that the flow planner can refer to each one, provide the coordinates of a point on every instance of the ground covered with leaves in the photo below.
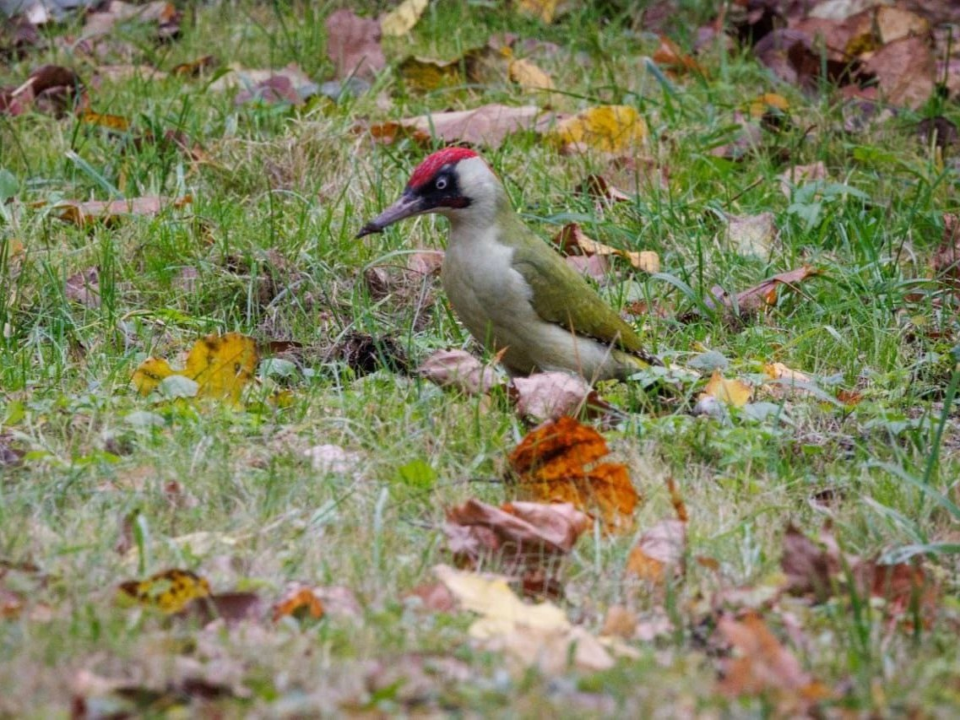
(250, 465)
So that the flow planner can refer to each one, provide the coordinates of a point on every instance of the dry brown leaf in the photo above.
(905, 70)
(946, 261)
(596, 267)
(551, 395)
(459, 369)
(801, 174)
(661, 548)
(487, 125)
(194, 68)
(84, 287)
(109, 211)
(402, 19)
(528, 76)
(571, 237)
(526, 537)
(353, 45)
(607, 128)
(765, 293)
(751, 234)
(762, 664)
(598, 187)
(558, 462)
(109, 14)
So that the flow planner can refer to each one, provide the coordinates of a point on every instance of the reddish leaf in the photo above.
(353, 45)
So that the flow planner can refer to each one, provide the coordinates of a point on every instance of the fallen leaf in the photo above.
(734, 393)
(425, 262)
(18, 35)
(597, 186)
(402, 19)
(765, 293)
(800, 175)
(938, 132)
(194, 68)
(84, 287)
(619, 621)
(905, 70)
(659, 549)
(595, 267)
(435, 597)
(300, 603)
(762, 664)
(109, 14)
(124, 73)
(10, 456)
(220, 365)
(51, 89)
(459, 369)
(273, 90)
(790, 380)
(571, 238)
(543, 10)
(894, 23)
(751, 234)
(528, 76)
(608, 128)
(116, 123)
(109, 211)
(487, 125)
(762, 106)
(353, 45)
(669, 56)
(246, 80)
(557, 462)
(551, 395)
(531, 635)
(518, 533)
(169, 591)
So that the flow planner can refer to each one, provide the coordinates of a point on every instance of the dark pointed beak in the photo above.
(407, 206)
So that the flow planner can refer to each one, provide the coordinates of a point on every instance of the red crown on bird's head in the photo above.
(432, 163)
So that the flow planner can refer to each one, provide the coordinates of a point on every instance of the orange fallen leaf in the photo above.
(659, 548)
(571, 238)
(194, 68)
(300, 603)
(117, 123)
(765, 293)
(669, 56)
(558, 462)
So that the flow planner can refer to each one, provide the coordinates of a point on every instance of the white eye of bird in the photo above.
(441, 183)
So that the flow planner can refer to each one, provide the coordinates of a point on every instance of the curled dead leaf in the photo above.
(571, 238)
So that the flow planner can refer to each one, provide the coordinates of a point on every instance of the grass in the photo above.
(270, 238)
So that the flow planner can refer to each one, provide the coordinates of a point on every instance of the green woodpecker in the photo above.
(511, 290)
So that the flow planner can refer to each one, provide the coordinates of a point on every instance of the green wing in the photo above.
(561, 295)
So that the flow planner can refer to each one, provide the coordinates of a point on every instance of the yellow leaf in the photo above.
(779, 371)
(528, 76)
(117, 123)
(150, 374)
(403, 17)
(493, 598)
(765, 103)
(730, 392)
(169, 591)
(609, 128)
(544, 10)
(426, 74)
(222, 365)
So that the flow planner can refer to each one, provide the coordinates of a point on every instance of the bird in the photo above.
(513, 292)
